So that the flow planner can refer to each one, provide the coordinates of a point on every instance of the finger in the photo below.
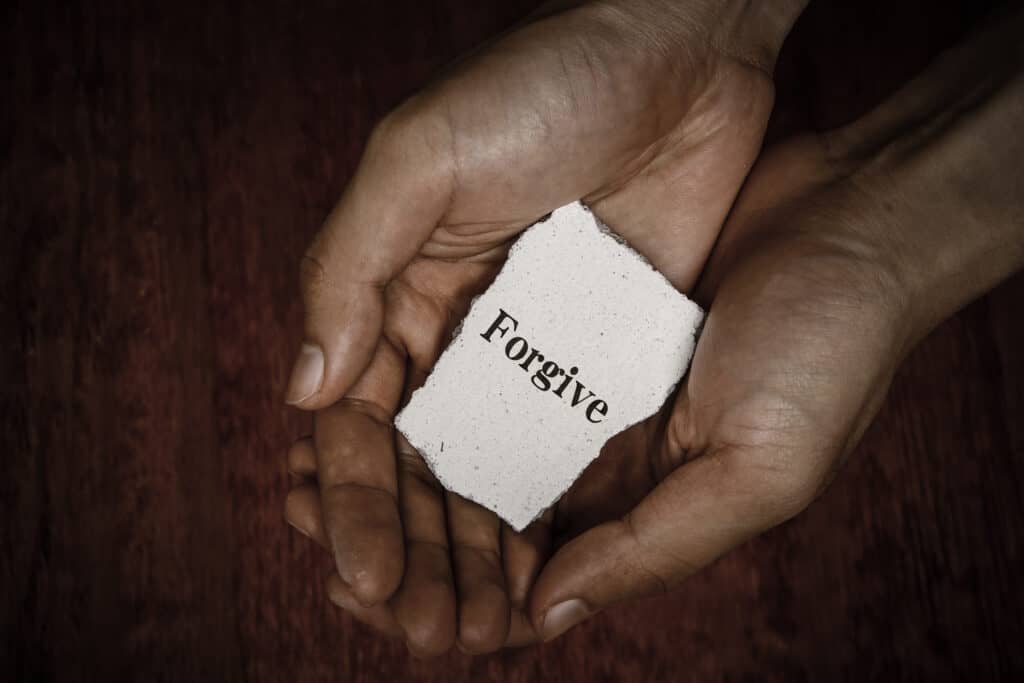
(521, 631)
(697, 513)
(423, 610)
(354, 443)
(302, 511)
(302, 458)
(399, 192)
(475, 534)
(424, 605)
(425, 602)
(379, 617)
(522, 554)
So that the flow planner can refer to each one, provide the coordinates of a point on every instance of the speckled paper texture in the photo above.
(573, 308)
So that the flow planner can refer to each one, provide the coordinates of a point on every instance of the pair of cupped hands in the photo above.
(653, 113)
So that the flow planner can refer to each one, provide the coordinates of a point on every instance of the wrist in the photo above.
(754, 32)
(750, 32)
(938, 169)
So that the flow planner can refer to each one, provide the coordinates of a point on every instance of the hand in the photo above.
(842, 251)
(806, 327)
(653, 112)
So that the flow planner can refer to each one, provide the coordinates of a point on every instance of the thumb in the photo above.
(398, 194)
(699, 512)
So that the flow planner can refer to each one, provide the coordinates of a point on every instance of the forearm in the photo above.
(943, 160)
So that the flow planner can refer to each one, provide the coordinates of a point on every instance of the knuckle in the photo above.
(378, 583)
(654, 566)
(356, 473)
(483, 637)
(392, 125)
(790, 496)
(419, 137)
(395, 131)
(787, 489)
(431, 632)
(342, 466)
(776, 486)
(313, 277)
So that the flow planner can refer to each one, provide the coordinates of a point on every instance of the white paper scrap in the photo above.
(577, 339)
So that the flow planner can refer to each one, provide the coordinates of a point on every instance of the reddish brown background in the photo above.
(162, 170)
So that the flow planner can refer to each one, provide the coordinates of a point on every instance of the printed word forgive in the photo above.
(548, 373)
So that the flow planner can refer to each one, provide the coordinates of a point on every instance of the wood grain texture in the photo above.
(162, 169)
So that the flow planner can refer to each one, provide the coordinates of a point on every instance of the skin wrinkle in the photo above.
(568, 79)
(733, 19)
(445, 306)
(848, 249)
(314, 278)
(489, 555)
(412, 465)
(649, 31)
(879, 270)
(679, 444)
(662, 585)
(343, 487)
(474, 536)
(773, 490)
(370, 409)
(473, 236)
(759, 62)
(427, 543)
(492, 255)
(664, 136)
(453, 158)
(588, 63)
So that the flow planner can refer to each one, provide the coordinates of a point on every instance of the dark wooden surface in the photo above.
(162, 169)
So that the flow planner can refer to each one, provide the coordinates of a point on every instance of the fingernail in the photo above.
(562, 617)
(307, 375)
(298, 528)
